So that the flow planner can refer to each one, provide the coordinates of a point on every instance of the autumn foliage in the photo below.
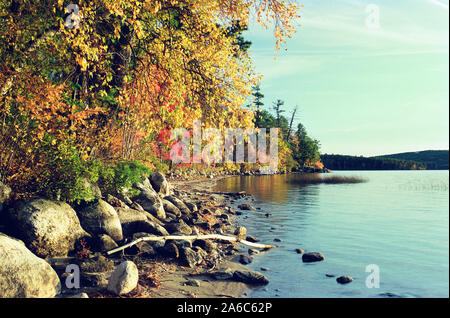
(110, 90)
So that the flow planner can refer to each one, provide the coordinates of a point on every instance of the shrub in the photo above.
(123, 176)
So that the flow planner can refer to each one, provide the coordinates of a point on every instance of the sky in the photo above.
(362, 87)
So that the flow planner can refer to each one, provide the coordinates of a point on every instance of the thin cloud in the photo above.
(439, 3)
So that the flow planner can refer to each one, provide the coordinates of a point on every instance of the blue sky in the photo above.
(361, 90)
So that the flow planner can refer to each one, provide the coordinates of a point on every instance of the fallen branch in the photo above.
(191, 238)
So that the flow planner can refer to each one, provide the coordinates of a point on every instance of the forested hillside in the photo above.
(434, 159)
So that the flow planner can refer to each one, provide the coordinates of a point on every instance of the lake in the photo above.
(397, 220)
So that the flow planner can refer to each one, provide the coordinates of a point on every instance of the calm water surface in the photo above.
(397, 220)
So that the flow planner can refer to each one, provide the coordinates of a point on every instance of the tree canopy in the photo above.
(107, 80)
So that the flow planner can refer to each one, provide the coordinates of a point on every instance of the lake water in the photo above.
(398, 220)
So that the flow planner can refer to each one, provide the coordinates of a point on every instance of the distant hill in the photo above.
(433, 159)
(340, 162)
(422, 160)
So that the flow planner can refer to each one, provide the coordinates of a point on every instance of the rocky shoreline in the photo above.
(51, 249)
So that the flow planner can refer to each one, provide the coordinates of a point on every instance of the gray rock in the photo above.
(24, 275)
(124, 279)
(207, 245)
(189, 258)
(252, 239)
(99, 217)
(224, 274)
(160, 184)
(250, 277)
(48, 228)
(246, 207)
(149, 200)
(149, 247)
(169, 207)
(179, 204)
(245, 259)
(145, 183)
(95, 279)
(134, 221)
(115, 202)
(179, 226)
(312, 257)
(192, 206)
(192, 282)
(344, 279)
(104, 243)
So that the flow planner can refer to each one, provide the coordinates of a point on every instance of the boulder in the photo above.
(104, 243)
(48, 228)
(124, 279)
(145, 184)
(169, 207)
(192, 206)
(250, 277)
(134, 222)
(223, 274)
(149, 200)
(99, 217)
(179, 226)
(24, 275)
(160, 184)
(312, 257)
(115, 202)
(189, 258)
(178, 203)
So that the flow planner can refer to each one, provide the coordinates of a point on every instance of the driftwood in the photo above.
(191, 238)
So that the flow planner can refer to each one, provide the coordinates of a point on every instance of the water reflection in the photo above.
(276, 188)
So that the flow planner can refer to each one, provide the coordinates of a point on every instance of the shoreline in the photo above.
(176, 281)
(172, 282)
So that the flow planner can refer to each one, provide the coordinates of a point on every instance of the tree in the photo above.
(111, 87)
(288, 136)
(278, 111)
(307, 149)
